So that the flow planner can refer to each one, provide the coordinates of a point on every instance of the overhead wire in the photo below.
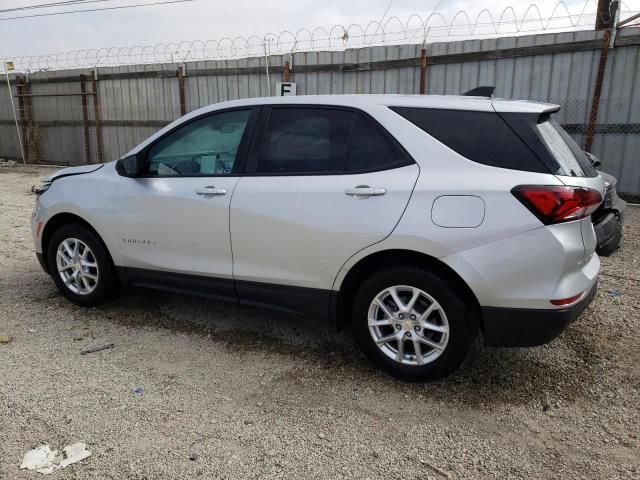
(88, 10)
(381, 20)
(52, 5)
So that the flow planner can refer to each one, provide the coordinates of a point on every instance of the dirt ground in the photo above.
(234, 392)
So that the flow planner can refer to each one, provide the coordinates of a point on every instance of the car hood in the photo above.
(66, 172)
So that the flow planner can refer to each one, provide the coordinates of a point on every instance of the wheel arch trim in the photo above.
(348, 279)
(66, 218)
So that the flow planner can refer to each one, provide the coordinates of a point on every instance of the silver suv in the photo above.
(418, 221)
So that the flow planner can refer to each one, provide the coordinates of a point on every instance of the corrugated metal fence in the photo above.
(85, 119)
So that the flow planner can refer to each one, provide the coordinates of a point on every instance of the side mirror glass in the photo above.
(130, 166)
(593, 159)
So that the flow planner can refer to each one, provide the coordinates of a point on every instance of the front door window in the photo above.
(207, 146)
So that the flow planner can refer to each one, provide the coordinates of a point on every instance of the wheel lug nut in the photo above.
(413, 317)
(417, 329)
(400, 316)
(408, 334)
(398, 326)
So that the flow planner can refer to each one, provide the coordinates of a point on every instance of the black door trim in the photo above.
(200, 285)
(313, 302)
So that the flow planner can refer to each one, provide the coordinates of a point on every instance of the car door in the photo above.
(321, 184)
(175, 218)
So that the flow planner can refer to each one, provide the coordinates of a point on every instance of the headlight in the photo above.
(43, 187)
(609, 196)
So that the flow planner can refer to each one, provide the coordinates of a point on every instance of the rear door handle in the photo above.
(365, 191)
(210, 191)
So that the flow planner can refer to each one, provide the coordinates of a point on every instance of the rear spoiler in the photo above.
(547, 112)
(487, 91)
(483, 91)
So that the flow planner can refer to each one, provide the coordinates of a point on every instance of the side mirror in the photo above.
(130, 166)
(593, 159)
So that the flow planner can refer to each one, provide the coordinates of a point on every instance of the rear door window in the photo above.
(305, 141)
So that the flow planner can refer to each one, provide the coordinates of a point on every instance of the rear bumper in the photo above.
(514, 327)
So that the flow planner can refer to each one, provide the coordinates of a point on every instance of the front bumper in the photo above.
(42, 262)
(515, 327)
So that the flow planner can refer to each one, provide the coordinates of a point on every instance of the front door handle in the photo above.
(210, 191)
(365, 191)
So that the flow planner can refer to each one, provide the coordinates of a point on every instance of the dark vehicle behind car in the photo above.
(609, 218)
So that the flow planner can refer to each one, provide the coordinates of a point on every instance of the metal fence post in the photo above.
(267, 54)
(32, 136)
(97, 116)
(13, 109)
(183, 106)
(85, 119)
(21, 89)
(423, 70)
(597, 89)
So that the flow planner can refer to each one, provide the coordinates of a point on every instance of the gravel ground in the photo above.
(233, 392)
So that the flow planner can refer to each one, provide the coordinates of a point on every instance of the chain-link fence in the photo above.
(60, 122)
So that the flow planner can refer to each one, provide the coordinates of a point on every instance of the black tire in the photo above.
(461, 319)
(106, 275)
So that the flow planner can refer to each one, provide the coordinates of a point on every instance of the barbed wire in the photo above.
(393, 30)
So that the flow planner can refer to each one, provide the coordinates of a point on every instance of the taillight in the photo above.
(556, 204)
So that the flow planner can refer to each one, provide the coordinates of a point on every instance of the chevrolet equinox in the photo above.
(418, 221)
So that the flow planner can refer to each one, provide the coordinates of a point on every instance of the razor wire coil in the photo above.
(392, 31)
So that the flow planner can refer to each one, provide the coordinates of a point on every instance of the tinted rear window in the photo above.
(323, 141)
(483, 137)
(305, 140)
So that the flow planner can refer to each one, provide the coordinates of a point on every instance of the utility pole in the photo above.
(267, 54)
(603, 16)
(9, 66)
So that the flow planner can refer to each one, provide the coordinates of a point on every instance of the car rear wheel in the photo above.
(411, 324)
(80, 265)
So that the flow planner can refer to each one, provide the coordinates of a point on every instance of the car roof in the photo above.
(455, 102)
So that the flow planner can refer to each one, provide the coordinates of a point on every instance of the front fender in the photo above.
(89, 197)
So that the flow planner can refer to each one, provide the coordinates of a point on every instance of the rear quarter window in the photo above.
(373, 149)
(483, 137)
(572, 161)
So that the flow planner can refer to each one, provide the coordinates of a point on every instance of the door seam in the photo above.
(333, 290)
(233, 276)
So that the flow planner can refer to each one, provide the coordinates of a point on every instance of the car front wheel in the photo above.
(411, 324)
(80, 265)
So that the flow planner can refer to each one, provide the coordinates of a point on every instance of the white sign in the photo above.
(285, 89)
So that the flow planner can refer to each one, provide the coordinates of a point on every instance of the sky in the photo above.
(211, 19)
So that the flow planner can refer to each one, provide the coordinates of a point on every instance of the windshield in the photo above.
(572, 160)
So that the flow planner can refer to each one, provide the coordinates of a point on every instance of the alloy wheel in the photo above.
(77, 266)
(408, 325)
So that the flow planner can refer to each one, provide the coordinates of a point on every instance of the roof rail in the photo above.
(484, 91)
